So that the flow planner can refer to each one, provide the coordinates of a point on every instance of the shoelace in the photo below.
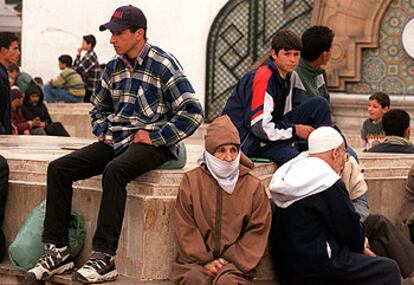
(49, 258)
(96, 264)
(47, 261)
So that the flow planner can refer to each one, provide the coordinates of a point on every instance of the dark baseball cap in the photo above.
(125, 17)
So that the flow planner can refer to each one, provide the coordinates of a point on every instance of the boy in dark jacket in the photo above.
(396, 124)
(261, 105)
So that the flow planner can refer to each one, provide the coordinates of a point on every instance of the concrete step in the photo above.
(10, 275)
(376, 160)
(147, 245)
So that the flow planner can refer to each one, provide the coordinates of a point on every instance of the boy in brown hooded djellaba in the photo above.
(222, 214)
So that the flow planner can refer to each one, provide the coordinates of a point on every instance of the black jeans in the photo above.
(4, 186)
(117, 172)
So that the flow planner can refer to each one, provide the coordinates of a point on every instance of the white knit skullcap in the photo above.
(323, 139)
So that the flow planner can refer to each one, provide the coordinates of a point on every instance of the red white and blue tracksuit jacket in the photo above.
(257, 105)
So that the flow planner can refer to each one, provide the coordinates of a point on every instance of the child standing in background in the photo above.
(372, 132)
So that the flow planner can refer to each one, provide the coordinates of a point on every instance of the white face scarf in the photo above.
(225, 173)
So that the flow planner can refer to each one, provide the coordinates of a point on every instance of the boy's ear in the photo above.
(274, 54)
(385, 109)
(324, 55)
(3, 50)
(407, 133)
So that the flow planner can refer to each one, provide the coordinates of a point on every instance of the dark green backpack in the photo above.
(27, 247)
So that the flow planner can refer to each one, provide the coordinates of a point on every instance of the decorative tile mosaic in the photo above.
(388, 68)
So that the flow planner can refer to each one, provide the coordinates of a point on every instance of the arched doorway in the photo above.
(240, 34)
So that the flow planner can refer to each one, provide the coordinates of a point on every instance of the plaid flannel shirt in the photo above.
(153, 95)
(88, 68)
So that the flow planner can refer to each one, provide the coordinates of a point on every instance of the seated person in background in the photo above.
(222, 214)
(396, 124)
(316, 51)
(88, 66)
(316, 236)
(372, 132)
(68, 86)
(39, 81)
(261, 105)
(383, 237)
(24, 127)
(35, 110)
(19, 78)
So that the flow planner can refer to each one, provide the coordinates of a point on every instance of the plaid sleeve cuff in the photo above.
(100, 129)
(157, 139)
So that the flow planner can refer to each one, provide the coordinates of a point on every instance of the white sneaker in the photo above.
(99, 268)
(54, 261)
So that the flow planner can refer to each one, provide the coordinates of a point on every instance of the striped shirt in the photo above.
(69, 80)
(89, 68)
(152, 95)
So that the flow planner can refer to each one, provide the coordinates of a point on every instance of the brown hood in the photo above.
(222, 131)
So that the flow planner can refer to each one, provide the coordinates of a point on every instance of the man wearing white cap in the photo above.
(316, 236)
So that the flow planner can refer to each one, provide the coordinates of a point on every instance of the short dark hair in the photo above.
(395, 122)
(316, 40)
(133, 29)
(286, 40)
(6, 39)
(13, 67)
(382, 98)
(16, 94)
(90, 39)
(66, 59)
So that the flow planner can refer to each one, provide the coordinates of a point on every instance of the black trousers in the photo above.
(4, 186)
(386, 240)
(117, 172)
(360, 270)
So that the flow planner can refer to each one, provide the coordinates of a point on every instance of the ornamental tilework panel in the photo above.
(241, 34)
(388, 68)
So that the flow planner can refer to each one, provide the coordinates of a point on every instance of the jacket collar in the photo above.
(271, 64)
(140, 58)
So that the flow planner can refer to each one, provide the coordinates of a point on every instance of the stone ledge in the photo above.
(147, 246)
(10, 275)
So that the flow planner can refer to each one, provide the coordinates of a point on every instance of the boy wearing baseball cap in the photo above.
(142, 107)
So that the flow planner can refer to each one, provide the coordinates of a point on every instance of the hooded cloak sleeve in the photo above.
(190, 242)
(247, 252)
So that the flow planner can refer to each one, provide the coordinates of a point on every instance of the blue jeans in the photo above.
(60, 95)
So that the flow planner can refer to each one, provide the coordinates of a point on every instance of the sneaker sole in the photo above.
(30, 276)
(110, 276)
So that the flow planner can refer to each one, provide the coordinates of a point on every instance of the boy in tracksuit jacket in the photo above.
(261, 105)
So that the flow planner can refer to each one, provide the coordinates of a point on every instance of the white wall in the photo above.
(55, 27)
